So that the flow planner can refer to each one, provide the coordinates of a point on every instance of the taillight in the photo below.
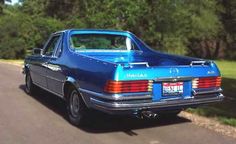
(128, 86)
(206, 82)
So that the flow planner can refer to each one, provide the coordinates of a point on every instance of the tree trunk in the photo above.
(1, 6)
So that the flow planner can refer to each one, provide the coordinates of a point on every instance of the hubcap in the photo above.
(74, 104)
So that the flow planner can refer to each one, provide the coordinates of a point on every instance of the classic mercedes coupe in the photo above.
(117, 73)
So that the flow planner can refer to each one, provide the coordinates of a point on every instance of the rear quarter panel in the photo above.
(91, 74)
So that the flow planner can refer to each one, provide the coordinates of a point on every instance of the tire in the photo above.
(76, 109)
(29, 86)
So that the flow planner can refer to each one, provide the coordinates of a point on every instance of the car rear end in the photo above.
(139, 87)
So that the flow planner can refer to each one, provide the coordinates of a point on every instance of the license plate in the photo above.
(172, 89)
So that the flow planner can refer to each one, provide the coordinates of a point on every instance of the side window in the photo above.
(134, 46)
(51, 46)
(59, 49)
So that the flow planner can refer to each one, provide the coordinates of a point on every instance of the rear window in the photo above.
(101, 42)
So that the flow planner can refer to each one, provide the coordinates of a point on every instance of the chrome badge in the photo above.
(210, 72)
(174, 71)
(138, 75)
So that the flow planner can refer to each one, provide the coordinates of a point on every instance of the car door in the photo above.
(37, 70)
(55, 76)
(39, 63)
(47, 54)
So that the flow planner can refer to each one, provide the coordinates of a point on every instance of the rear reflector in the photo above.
(206, 82)
(128, 86)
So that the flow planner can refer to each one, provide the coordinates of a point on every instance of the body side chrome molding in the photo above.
(52, 78)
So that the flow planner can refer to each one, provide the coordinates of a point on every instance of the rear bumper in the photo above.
(132, 104)
(151, 105)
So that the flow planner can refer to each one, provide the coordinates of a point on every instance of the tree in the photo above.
(1, 6)
(229, 21)
(2, 2)
(164, 24)
(20, 32)
(176, 26)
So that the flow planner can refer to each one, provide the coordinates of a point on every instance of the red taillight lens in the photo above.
(207, 82)
(128, 86)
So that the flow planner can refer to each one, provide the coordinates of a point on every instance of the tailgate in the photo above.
(169, 82)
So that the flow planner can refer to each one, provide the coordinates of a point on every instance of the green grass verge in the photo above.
(16, 62)
(227, 68)
(224, 112)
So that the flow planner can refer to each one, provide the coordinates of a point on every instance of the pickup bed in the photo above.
(115, 72)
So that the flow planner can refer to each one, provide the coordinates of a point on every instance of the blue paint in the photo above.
(92, 69)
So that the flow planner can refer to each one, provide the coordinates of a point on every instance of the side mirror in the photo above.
(37, 51)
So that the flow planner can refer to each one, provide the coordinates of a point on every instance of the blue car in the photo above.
(117, 73)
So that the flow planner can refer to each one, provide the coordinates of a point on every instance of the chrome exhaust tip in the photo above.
(145, 114)
(149, 114)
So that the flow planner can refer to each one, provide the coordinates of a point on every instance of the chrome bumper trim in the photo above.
(172, 79)
(160, 104)
(126, 96)
(199, 92)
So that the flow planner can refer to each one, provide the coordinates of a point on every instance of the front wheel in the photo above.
(75, 107)
(29, 86)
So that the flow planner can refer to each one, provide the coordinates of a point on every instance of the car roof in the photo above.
(93, 30)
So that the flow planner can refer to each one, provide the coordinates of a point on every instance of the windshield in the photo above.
(101, 42)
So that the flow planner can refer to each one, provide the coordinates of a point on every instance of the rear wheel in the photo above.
(75, 107)
(29, 86)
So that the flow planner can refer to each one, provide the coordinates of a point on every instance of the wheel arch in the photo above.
(71, 82)
(26, 69)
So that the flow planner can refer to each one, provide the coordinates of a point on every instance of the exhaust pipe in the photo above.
(145, 114)
(149, 114)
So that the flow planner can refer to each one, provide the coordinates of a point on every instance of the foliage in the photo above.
(21, 32)
(199, 28)
(229, 21)
(12, 43)
(165, 24)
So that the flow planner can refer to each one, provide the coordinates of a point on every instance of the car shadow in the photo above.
(98, 122)
(227, 107)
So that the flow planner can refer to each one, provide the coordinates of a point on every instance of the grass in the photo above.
(16, 62)
(224, 112)
(227, 68)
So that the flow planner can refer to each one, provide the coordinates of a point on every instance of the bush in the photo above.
(12, 43)
(21, 32)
